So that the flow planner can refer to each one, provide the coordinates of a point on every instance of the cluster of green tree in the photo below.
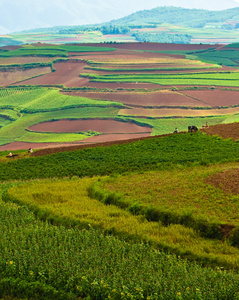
(107, 29)
(163, 38)
(77, 29)
(176, 15)
(113, 29)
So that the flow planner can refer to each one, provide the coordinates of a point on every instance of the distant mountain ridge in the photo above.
(29, 14)
(179, 16)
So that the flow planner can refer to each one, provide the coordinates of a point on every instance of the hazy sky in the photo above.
(19, 15)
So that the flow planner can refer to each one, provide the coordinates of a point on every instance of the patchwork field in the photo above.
(147, 88)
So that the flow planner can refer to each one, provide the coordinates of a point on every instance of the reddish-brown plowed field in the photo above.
(228, 181)
(24, 60)
(99, 125)
(215, 97)
(225, 131)
(124, 55)
(7, 78)
(159, 98)
(120, 85)
(67, 73)
(156, 46)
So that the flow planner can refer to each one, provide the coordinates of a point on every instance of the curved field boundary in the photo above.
(84, 125)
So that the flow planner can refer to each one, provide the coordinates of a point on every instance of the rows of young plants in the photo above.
(154, 153)
(67, 202)
(46, 99)
(41, 261)
(213, 79)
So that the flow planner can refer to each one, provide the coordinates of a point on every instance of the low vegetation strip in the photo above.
(40, 260)
(217, 79)
(46, 99)
(150, 154)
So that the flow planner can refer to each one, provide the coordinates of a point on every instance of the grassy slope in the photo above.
(68, 202)
(52, 261)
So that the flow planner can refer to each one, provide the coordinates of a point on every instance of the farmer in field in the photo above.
(176, 130)
(30, 150)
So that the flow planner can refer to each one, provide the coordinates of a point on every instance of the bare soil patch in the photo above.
(228, 181)
(157, 46)
(120, 85)
(154, 99)
(99, 125)
(67, 73)
(225, 131)
(215, 97)
(10, 77)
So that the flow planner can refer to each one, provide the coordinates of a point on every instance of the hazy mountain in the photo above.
(27, 14)
(179, 16)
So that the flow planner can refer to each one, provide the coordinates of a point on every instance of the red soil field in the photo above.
(159, 98)
(99, 125)
(67, 73)
(7, 78)
(156, 46)
(215, 97)
(228, 181)
(225, 131)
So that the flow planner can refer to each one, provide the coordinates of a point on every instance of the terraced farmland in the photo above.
(113, 203)
(156, 87)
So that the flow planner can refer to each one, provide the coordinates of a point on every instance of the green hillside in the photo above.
(162, 24)
(180, 16)
(75, 236)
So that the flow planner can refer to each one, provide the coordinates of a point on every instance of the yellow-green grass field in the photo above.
(67, 202)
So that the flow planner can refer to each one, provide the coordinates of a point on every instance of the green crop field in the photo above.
(215, 79)
(92, 237)
(141, 220)
(25, 107)
(50, 51)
